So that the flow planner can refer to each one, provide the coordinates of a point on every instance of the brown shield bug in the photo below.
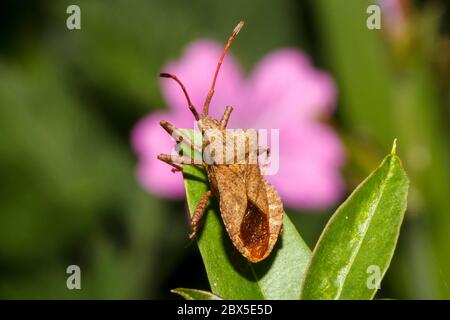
(250, 207)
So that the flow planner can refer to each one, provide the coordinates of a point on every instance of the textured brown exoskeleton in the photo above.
(251, 208)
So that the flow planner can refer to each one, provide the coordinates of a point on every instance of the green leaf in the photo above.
(360, 238)
(195, 294)
(230, 275)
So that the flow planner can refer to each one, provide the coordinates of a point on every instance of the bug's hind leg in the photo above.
(198, 214)
(225, 117)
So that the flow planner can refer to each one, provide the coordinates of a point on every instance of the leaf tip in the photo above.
(181, 292)
(394, 147)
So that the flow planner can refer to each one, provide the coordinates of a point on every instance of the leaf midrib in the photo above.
(372, 212)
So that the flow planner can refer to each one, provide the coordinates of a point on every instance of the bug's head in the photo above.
(204, 117)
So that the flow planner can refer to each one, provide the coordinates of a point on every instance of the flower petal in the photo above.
(285, 87)
(309, 161)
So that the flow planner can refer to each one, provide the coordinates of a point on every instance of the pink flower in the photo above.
(284, 91)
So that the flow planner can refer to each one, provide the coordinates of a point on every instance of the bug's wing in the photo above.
(229, 185)
(255, 226)
(264, 215)
(254, 185)
(251, 209)
(275, 210)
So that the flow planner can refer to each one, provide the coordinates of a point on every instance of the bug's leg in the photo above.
(176, 161)
(178, 135)
(225, 117)
(198, 214)
(265, 150)
(176, 168)
(167, 158)
(262, 150)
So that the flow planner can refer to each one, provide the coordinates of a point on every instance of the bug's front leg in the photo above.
(176, 161)
(178, 135)
(198, 214)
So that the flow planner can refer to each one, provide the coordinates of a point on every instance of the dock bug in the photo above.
(250, 207)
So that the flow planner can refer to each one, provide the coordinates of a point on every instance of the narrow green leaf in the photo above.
(230, 275)
(282, 274)
(358, 242)
(195, 294)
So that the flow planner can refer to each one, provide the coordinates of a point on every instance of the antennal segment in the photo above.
(219, 64)
(191, 106)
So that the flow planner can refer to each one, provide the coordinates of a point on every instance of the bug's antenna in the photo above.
(191, 106)
(211, 91)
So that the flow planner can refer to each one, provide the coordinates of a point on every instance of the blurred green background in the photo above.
(68, 100)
